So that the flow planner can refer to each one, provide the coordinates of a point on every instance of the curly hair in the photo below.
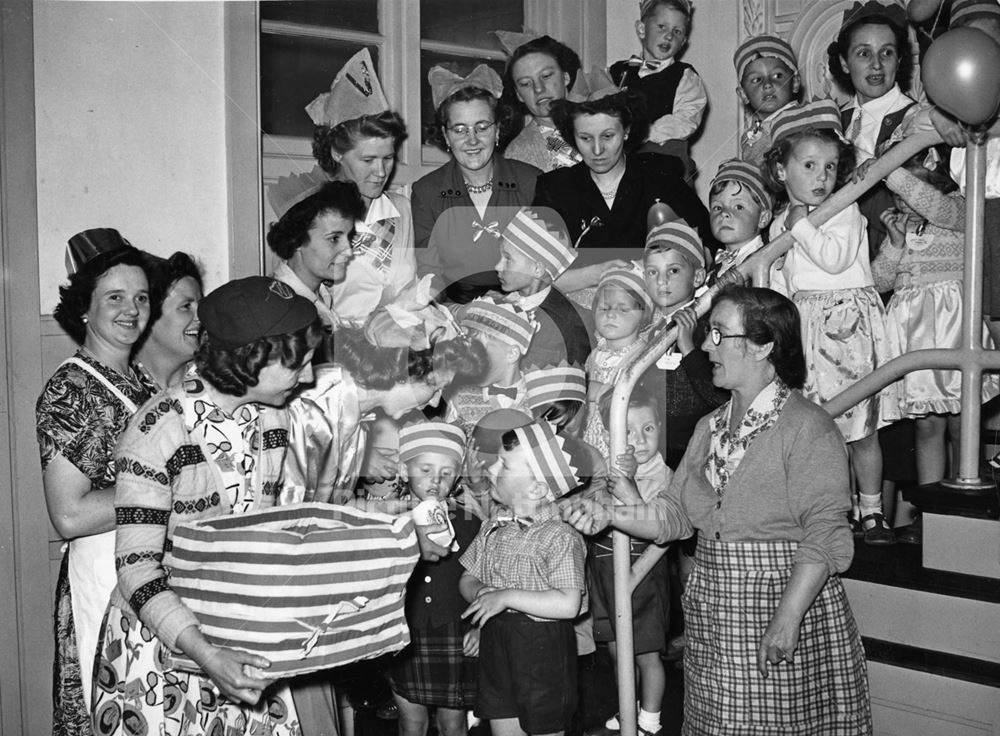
(781, 152)
(344, 136)
(628, 106)
(837, 52)
(770, 317)
(511, 106)
(74, 297)
(503, 117)
(163, 273)
(291, 232)
(234, 370)
(381, 368)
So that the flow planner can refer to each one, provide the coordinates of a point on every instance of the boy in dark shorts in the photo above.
(525, 583)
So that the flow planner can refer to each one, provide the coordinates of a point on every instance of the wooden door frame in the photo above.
(26, 606)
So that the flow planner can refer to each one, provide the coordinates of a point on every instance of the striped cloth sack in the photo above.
(308, 586)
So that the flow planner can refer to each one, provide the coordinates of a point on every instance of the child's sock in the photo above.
(649, 721)
(870, 503)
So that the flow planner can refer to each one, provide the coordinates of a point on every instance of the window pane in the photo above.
(469, 22)
(355, 15)
(460, 65)
(293, 71)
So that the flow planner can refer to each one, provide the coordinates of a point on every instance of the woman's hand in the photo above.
(950, 131)
(381, 464)
(470, 643)
(230, 670)
(861, 171)
(586, 516)
(778, 644)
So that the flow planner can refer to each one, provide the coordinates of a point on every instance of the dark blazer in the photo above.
(621, 232)
(443, 217)
(877, 199)
(564, 333)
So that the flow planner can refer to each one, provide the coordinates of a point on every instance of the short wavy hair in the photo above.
(628, 106)
(502, 116)
(380, 368)
(74, 297)
(344, 136)
(511, 106)
(291, 232)
(838, 50)
(770, 317)
(234, 370)
(163, 273)
(781, 152)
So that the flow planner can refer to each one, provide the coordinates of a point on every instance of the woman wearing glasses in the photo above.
(460, 209)
(772, 645)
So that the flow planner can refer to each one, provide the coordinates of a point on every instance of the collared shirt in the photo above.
(322, 299)
(871, 114)
(546, 555)
(529, 303)
(366, 285)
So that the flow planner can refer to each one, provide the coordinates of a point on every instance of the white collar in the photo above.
(529, 303)
(878, 108)
(380, 209)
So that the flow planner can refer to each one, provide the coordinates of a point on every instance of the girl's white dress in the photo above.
(828, 276)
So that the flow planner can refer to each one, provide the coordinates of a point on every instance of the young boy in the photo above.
(767, 79)
(639, 475)
(739, 207)
(506, 332)
(674, 267)
(675, 95)
(432, 672)
(534, 251)
(524, 581)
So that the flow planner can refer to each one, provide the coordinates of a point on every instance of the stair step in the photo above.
(940, 498)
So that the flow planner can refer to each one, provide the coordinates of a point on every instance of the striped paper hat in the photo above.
(747, 174)
(965, 11)
(820, 113)
(543, 238)
(629, 279)
(443, 438)
(763, 47)
(506, 322)
(678, 236)
(555, 383)
(547, 458)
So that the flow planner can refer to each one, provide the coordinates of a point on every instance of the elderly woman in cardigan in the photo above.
(772, 644)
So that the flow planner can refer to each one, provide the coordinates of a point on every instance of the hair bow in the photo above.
(445, 83)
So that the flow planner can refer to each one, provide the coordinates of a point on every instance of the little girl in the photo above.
(828, 275)
(622, 308)
(922, 261)
(438, 669)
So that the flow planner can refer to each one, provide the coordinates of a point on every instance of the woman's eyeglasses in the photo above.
(716, 336)
(480, 128)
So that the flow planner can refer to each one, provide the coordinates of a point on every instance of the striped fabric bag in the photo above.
(308, 586)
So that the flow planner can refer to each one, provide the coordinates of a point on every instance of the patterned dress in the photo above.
(80, 419)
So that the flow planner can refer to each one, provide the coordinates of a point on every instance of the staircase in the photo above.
(930, 618)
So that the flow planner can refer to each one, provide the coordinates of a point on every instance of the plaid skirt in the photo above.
(729, 601)
(433, 671)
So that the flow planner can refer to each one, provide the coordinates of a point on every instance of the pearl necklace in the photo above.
(479, 188)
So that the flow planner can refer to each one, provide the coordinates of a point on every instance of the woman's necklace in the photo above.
(479, 188)
(611, 192)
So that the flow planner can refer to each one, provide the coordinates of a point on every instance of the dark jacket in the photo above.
(621, 233)
(564, 333)
(443, 217)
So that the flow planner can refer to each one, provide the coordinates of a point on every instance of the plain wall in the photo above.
(130, 130)
(710, 51)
